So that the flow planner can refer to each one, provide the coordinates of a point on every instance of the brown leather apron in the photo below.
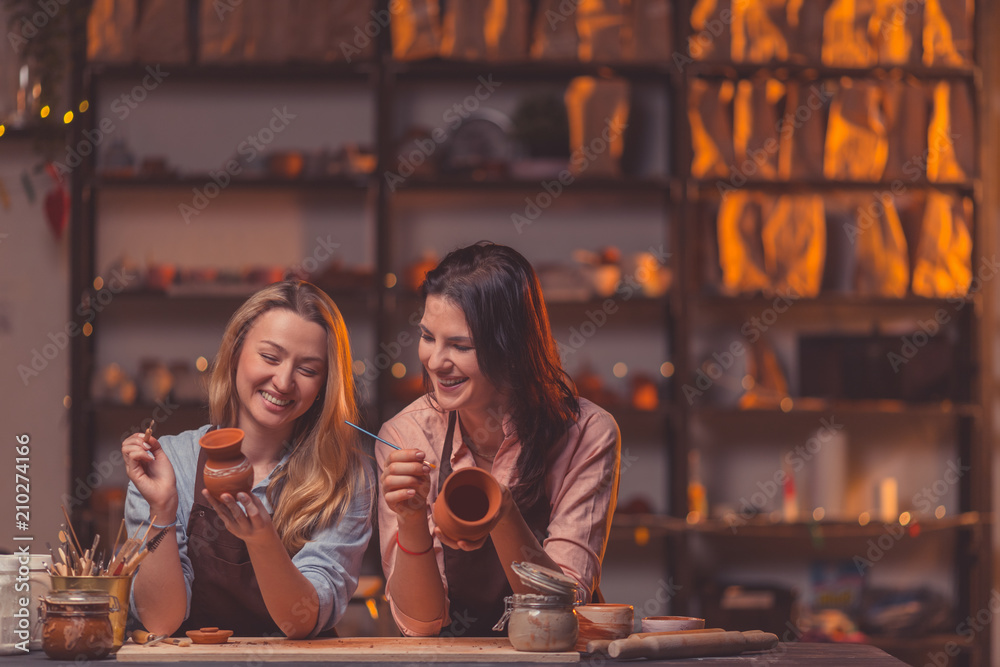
(225, 593)
(477, 584)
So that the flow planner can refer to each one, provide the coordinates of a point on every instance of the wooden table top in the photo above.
(785, 655)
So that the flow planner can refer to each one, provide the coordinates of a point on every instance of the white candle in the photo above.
(888, 493)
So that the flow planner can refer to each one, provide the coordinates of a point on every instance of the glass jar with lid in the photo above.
(76, 624)
(546, 621)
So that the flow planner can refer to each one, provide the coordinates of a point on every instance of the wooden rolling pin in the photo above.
(692, 645)
(601, 645)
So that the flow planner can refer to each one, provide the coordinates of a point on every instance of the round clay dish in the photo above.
(209, 636)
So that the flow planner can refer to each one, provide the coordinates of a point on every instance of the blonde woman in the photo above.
(285, 558)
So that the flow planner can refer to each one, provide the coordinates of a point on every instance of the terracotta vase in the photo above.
(226, 469)
(469, 505)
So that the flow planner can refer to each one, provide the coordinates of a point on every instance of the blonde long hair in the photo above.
(326, 466)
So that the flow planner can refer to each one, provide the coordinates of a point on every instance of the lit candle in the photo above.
(888, 493)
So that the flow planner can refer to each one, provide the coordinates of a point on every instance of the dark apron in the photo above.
(225, 593)
(477, 584)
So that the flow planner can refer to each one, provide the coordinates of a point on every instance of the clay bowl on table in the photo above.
(671, 623)
(604, 621)
(469, 505)
(209, 636)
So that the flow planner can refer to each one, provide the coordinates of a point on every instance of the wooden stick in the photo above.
(71, 531)
(148, 528)
(114, 548)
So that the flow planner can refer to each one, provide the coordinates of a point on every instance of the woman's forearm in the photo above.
(159, 590)
(290, 598)
(515, 542)
(415, 584)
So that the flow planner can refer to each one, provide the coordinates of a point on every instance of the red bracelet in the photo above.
(413, 553)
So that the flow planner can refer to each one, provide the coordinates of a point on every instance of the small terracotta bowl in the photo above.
(671, 623)
(603, 620)
(209, 636)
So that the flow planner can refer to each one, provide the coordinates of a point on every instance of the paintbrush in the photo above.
(146, 436)
(386, 442)
(70, 524)
(131, 566)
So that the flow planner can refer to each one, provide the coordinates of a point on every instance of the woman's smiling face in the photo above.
(448, 354)
(281, 371)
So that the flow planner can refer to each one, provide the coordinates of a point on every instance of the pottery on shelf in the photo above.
(468, 505)
(226, 469)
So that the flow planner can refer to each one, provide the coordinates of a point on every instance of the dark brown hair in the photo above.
(499, 293)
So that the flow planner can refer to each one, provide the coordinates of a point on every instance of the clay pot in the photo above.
(469, 505)
(226, 470)
(601, 620)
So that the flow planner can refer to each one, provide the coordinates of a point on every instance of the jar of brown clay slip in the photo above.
(541, 622)
(77, 624)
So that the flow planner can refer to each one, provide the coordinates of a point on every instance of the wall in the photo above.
(34, 281)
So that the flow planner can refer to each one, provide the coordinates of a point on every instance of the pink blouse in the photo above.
(582, 487)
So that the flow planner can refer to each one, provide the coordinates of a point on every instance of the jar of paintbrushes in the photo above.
(77, 569)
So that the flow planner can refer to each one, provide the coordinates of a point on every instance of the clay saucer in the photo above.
(209, 636)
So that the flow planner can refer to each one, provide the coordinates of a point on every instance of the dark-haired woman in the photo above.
(497, 398)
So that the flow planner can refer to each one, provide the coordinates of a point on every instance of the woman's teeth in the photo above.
(271, 399)
(453, 383)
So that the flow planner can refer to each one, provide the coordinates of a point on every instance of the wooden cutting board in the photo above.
(348, 649)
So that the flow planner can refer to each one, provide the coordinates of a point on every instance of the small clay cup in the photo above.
(603, 620)
(468, 505)
(671, 623)
(226, 469)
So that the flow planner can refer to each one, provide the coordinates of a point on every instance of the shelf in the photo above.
(818, 406)
(231, 296)
(358, 184)
(220, 74)
(819, 71)
(34, 131)
(581, 184)
(896, 187)
(831, 300)
(627, 524)
(531, 70)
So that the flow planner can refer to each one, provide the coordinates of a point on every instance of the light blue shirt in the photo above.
(331, 561)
